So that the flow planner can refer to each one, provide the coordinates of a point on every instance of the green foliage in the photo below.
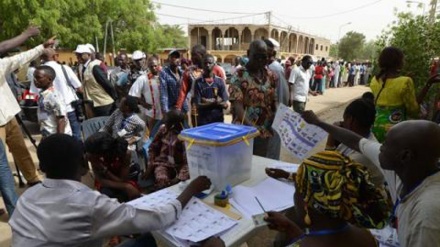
(333, 50)
(369, 51)
(81, 21)
(419, 40)
(351, 45)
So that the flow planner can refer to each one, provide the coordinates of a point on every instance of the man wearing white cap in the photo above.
(97, 88)
(94, 57)
(139, 59)
(274, 146)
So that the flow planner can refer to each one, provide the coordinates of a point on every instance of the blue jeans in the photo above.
(146, 240)
(75, 125)
(7, 189)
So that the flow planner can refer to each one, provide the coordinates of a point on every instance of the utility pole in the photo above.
(105, 37)
(113, 42)
(432, 11)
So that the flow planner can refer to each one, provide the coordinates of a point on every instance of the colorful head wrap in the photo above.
(338, 187)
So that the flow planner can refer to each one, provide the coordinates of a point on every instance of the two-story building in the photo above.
(226, 41)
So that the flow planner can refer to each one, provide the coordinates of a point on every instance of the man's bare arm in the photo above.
(20, 39)
(345, 136)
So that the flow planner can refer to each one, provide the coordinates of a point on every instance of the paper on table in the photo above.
(154, 200)
(272, 194)
(296, 135)
(288, 167)
(198, 221)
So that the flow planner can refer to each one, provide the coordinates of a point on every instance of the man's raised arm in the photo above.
(18, 40)
(345, 136)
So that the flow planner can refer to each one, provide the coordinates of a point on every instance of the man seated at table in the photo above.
(61, 211)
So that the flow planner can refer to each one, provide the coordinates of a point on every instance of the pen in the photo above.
(259, 203)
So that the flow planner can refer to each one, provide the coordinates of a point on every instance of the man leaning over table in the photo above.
(61, 211)
(10, 131)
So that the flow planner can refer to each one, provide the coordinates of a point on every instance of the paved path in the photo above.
(329, 107)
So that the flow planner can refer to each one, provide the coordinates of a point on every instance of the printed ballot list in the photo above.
(296, 135)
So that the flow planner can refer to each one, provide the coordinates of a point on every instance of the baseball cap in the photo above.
(91, 47)
(138, 55)
(82, 49)
(175, 53)
(275, 43)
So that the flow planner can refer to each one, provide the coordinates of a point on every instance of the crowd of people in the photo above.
(375, 156)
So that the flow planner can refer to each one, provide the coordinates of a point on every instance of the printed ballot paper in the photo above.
(197, 222)
(296, 135)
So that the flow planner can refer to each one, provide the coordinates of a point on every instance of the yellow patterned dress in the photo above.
(395, 102)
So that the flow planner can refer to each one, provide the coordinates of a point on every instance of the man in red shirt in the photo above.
(318, 79)
(191, 74)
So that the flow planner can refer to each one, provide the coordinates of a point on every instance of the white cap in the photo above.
(82, 49)
(275, 43)
(91, 47)
(138, 55)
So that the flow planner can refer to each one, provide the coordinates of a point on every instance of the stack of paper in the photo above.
(288, 167)
(197, 222)
(273, 195)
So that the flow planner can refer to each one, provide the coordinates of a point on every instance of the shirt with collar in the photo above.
(148, 87)
(9, 106)
(418, 215)
(300, 79)
(67, 93)
(61, 212)
(169, 89)
(50, 107)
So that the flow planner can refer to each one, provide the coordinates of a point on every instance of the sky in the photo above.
(326, 18)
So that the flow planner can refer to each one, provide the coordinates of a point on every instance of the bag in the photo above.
(77, 104)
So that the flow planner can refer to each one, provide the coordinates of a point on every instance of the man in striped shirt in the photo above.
(210, 95)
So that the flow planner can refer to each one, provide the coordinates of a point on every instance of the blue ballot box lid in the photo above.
(219, 132)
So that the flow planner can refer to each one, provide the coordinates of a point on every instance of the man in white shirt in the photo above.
(10, 131)
(52, 114)
(282, 90)
(64, 212)
(146, 89)
(299, 84)
(411, 151)
(66, 85)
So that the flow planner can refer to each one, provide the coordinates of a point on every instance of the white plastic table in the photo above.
(245, 228)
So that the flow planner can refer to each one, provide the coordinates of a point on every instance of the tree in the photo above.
(333, 50)
(350, 46)
(419, 39)
(369, 51)
(82, 21)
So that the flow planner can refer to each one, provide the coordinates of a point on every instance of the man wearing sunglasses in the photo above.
(299, 85)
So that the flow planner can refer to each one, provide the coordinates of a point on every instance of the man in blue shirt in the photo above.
(210, 94)
(170, 82)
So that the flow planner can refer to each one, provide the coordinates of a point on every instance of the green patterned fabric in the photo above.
(387, 117)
